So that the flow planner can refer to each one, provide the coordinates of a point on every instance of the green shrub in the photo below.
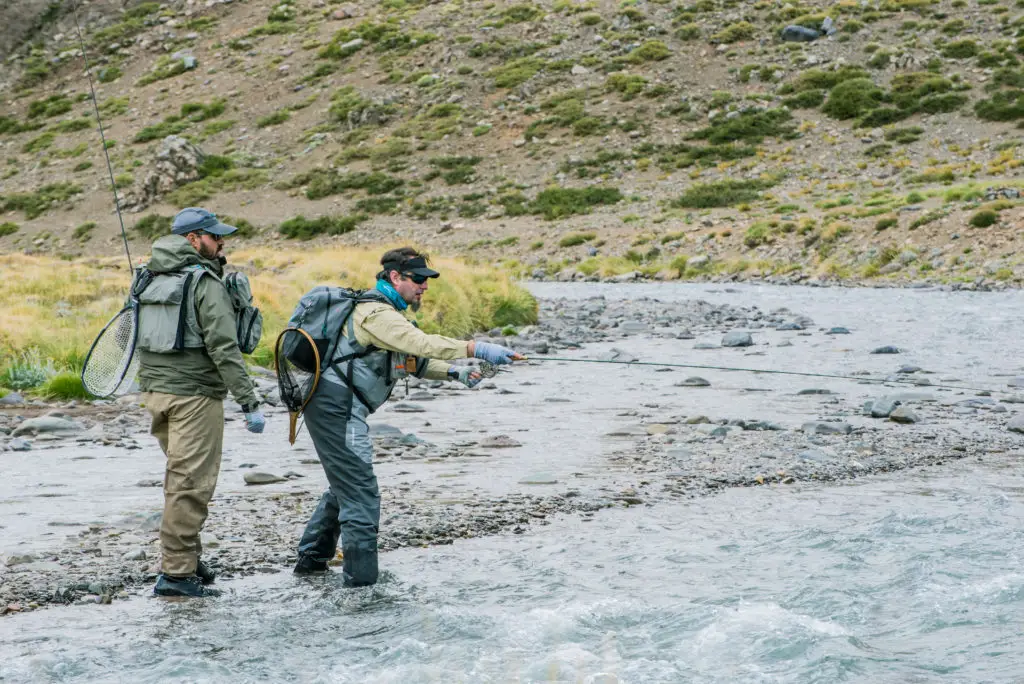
(984, 218)
(27, 371)
(751, 127)
(172, 125)
(55, 105)
(108, 74)
(84, 231)
(942, 104)
(688, 32)
(807, 99)
(904, 136)
(649, 51)
(324, 182)
(574, 239)
(36, 203)
(734, 33)
(961, 49)
(886, 223)
(516, 72)
(758, 234)
(165, 67)
(153, 226)
(723, 193)
(1006, 105)
(214, 165)
(852, 98)
(555, 203)
(882, 116)
(64, 386)
(39, 143)
(8, 228)
(305, 229)
(278, 117)
(197, 111)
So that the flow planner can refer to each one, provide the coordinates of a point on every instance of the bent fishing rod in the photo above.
(103, 139)
(769, 371)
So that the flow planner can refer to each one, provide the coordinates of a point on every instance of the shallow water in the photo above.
(910, 579)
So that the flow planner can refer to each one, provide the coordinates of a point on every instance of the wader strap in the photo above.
(179, 338)
(346, 377)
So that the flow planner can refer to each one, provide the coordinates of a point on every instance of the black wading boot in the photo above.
(205, 573)
(308, 565)
(187, 587)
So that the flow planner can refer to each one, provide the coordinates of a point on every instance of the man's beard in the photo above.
(414, 305)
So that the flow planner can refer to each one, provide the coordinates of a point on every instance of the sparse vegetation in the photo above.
(302, 228)
(724, 193)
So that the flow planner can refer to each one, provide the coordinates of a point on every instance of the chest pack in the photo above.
(168, 317)
(325, 313)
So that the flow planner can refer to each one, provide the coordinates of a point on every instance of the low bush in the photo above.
(305, 229)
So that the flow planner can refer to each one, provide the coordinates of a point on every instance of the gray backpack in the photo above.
(322, 312)
(248, 319)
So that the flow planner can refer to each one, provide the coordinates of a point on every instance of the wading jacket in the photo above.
(208, 362)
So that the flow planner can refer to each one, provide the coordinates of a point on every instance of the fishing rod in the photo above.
(103, 139)
(761, 370)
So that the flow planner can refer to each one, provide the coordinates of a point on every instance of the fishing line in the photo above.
(99, 121)
(773, 372)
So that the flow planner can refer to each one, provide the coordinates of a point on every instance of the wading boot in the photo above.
(187, 587)
(205, 573)
(310, 566)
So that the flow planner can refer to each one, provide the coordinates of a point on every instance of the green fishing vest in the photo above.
(168, 322)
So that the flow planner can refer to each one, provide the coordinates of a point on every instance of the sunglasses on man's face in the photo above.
(416, 278)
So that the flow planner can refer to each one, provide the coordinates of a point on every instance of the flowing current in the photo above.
(909, 577)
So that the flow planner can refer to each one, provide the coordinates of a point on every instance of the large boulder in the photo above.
(176, 164)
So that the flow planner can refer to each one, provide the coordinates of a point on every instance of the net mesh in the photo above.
(112, 363)
(297, 377)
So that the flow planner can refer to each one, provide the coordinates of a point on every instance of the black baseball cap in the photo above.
(412, 266)
(194, 219)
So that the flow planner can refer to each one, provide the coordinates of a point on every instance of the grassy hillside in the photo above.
(680, 139)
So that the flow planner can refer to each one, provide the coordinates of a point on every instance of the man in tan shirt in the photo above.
(378, 347)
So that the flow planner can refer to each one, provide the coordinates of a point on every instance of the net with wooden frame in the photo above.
(297, 362)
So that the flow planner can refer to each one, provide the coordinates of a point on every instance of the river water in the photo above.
(912, 577)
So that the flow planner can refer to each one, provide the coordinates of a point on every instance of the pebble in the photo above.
(887, 349)
(693, 381)
(903, 414)
(19, 444)
(1016, 424)
(539, 479)
(408, 408)
(12, 399)
(135, 555)
(499, 442)
(838, 330)
(737, 339)
(260, 478)
(821, 428)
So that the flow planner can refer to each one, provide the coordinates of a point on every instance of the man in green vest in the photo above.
(188, 361)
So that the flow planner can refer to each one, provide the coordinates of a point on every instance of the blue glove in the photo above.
(493, 353)
(255, 422)
(470, 377)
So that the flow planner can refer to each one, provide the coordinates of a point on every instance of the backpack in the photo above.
(322, 313)
(248, 319)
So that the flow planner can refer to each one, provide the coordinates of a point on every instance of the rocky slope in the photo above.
(671, 139)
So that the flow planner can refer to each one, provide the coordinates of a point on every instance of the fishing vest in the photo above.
(369, 372)
(167, 311)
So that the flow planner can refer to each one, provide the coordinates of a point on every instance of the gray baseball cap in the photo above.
(193, 219)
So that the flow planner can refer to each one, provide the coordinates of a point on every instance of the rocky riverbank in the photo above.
(547, 438)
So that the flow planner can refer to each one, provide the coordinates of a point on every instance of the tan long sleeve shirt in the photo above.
(386, 328)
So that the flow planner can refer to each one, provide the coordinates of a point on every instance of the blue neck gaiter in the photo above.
(389, 291)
